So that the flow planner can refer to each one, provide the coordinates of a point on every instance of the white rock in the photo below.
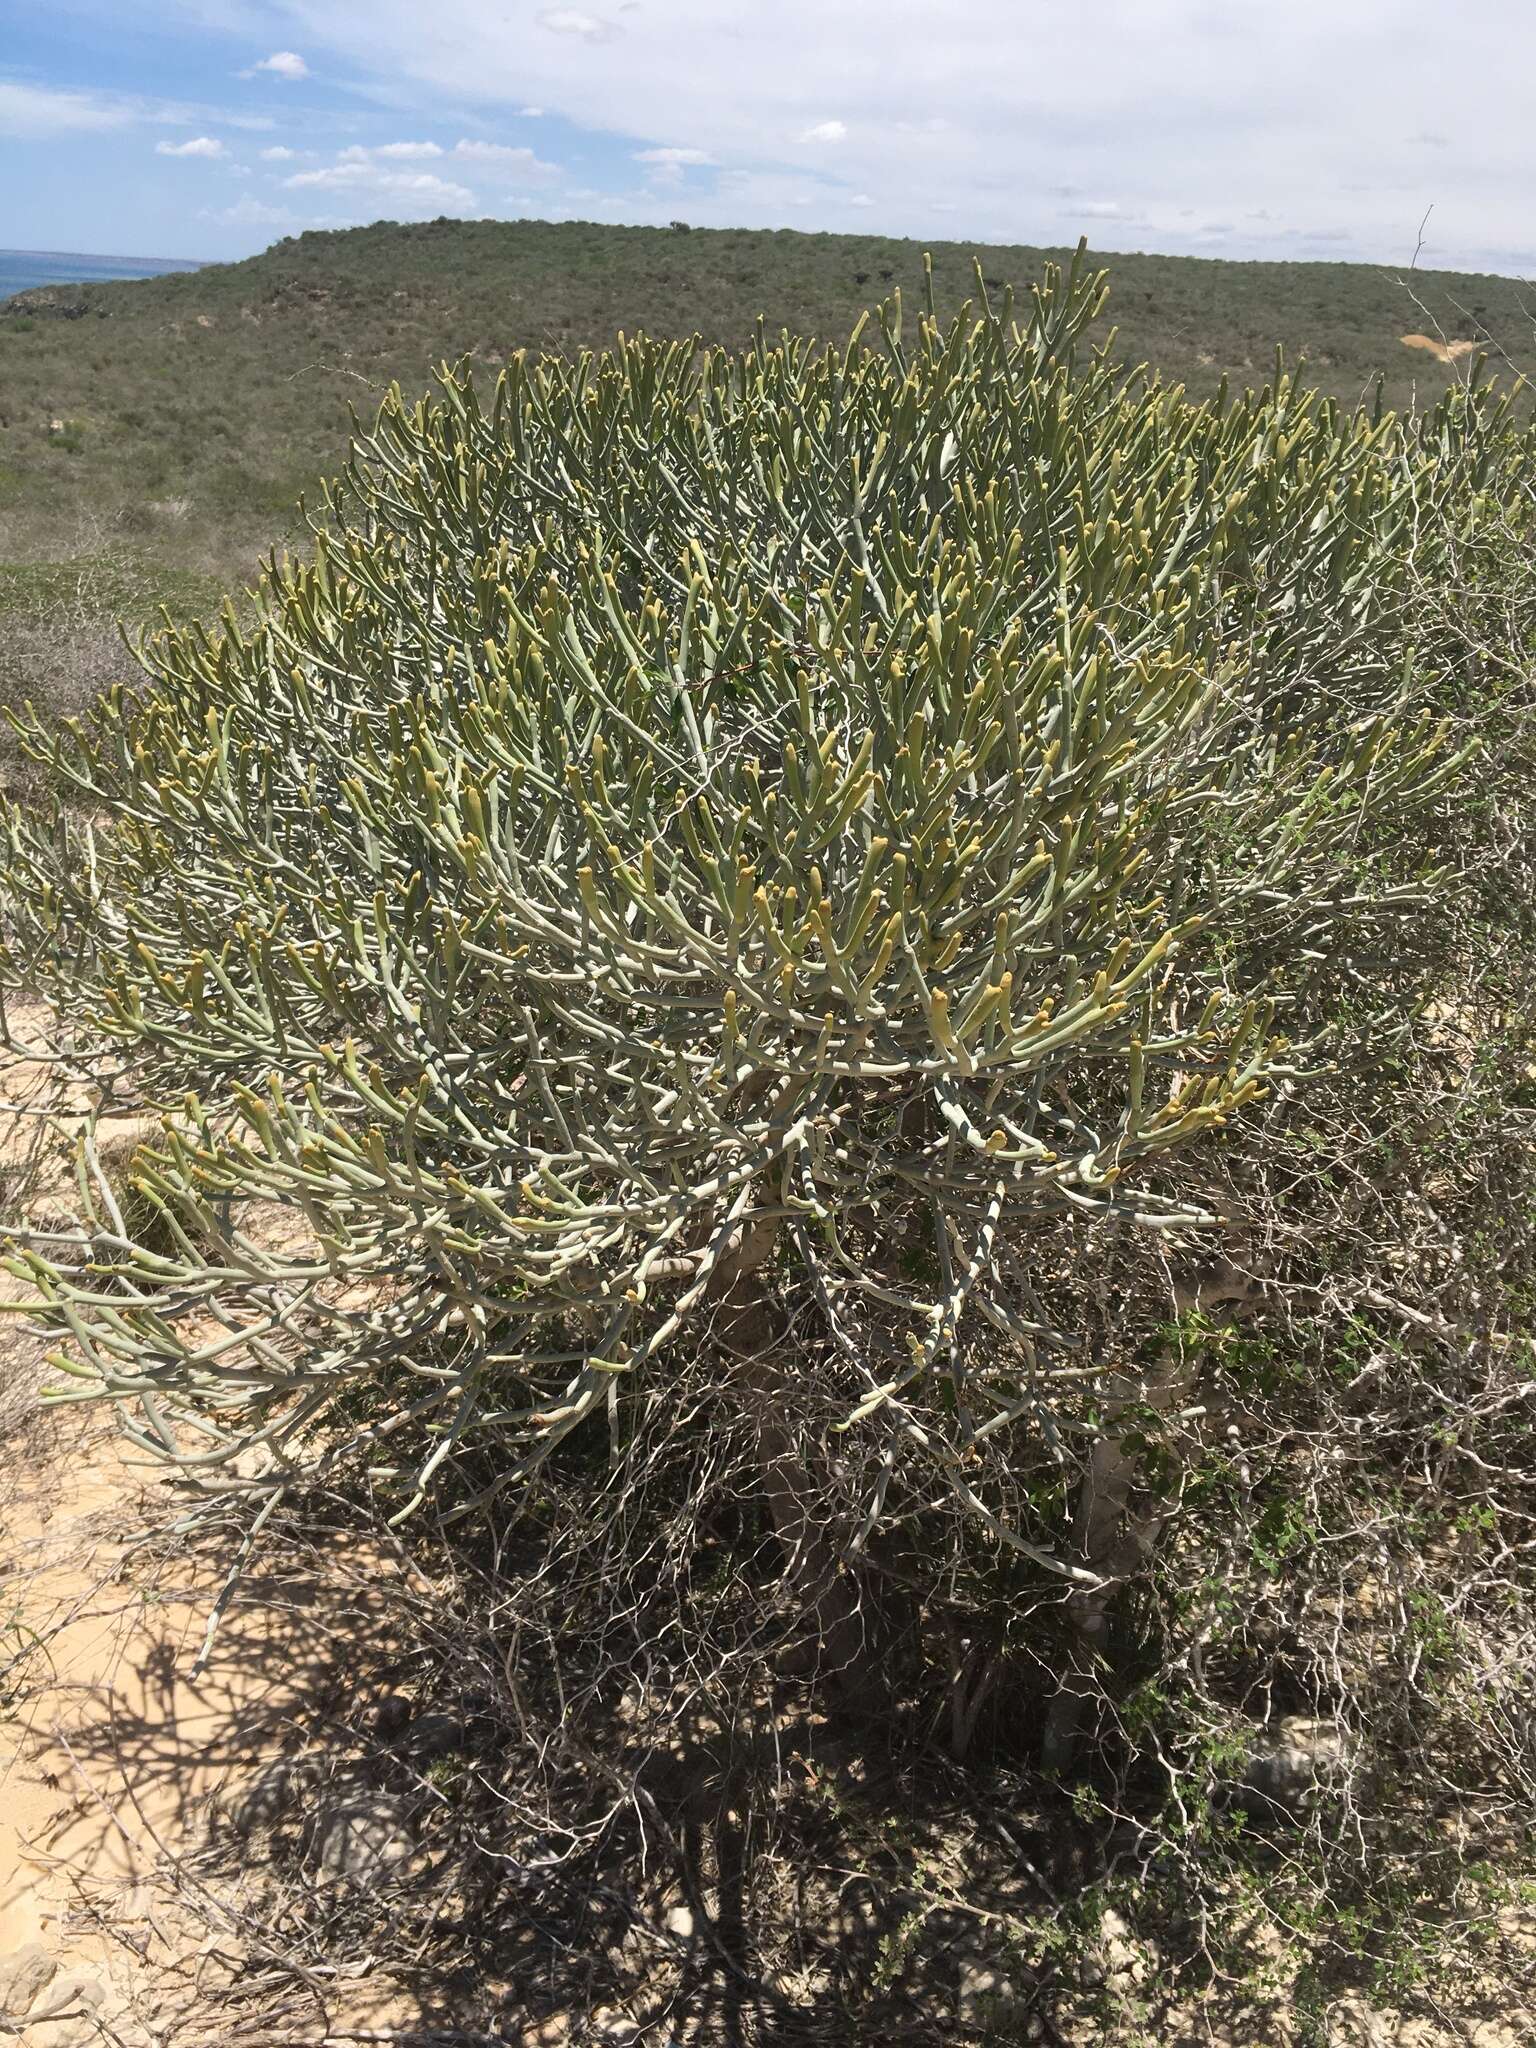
(65, 2015)
(986, 1993)
(24, 1974)
(1124, 1955)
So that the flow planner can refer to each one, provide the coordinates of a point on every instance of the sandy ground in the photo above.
(114, 1751)
(117, 1756)
(107, 1748)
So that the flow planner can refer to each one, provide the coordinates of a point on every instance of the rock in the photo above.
(76, 2029)
(364, 1839)
(24, 1974)
(1124, 1956)
(553, 2032)
(615, 2027)
(1355, 2024)
(1518, 1924)
(79, 1987)
(1298, 1760)
(65, 2016)
(271, 1795)
(987, 1995)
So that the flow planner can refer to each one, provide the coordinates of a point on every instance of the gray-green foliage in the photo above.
(826, 794)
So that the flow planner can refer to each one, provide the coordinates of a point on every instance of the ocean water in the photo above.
(21, 269)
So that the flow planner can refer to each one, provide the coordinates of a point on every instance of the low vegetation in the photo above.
(157, 436)
(188, 413)
(854, 1027)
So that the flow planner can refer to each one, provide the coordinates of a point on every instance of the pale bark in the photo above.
(1114, 1537)
(826, 1592)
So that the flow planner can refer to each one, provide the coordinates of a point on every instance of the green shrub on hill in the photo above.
(724, 882)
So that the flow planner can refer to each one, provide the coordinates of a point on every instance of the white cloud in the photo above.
(861, 199)
(277, 155)
(570, 21)
(507, 156)
(200, 145)
(35, 112)
(416, 191)
(531, 113)
(668, 167)
(284, 64)
(827, 131)
(1195, 107)
(393, 152)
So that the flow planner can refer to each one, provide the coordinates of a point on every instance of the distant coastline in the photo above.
(23, 270)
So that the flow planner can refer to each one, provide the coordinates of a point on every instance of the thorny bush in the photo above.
(890, 929)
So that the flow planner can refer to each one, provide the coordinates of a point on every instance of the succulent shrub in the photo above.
(710, 858)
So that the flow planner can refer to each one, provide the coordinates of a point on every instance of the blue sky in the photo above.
(208, 128)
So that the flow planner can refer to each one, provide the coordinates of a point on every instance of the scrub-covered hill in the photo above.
(174, 422)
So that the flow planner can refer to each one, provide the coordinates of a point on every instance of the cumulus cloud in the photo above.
(531, 113)
(277, 155)
(969, 106)
(508, 156)
(669, 167)
(827, 131)
(283, 64)
(513, 156)
(860, 199)
(200, 145)
(416, 191)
